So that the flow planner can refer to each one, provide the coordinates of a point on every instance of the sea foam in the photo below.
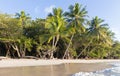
(114, 71)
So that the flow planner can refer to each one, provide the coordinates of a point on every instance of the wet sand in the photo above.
(53, 70)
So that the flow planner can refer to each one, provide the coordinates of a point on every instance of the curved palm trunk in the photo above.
(51, 51)
(84, 49)
(53, 46)
(66, 54)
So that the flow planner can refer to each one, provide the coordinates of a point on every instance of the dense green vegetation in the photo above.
(63, 35)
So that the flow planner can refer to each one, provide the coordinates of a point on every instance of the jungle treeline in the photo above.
(62, 34)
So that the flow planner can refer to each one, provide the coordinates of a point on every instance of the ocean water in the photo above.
(114, 71)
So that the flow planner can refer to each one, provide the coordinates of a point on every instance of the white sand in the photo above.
(33, 62)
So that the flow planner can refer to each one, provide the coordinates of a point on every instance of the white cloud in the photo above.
(49, 9)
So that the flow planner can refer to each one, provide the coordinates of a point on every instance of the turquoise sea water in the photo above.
(114, 71)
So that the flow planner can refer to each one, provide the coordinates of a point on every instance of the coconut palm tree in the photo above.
(76, 18)
(23, 18)
(99, 34)
(55, 23)
(99, 30)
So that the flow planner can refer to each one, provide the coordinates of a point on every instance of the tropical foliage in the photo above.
(63, 34)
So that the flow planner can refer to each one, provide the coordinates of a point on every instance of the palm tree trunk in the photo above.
(51, 53)
(23, 51)
(8, 51)
(84, 49)
(56, 40)
(67, 51)
(54, 45)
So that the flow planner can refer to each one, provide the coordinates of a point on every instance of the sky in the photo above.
(109, 10)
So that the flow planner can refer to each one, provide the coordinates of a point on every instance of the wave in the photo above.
(114, 71)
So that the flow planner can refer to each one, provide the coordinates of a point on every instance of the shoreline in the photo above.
(4, 63)
(54, 70)
(54, 67)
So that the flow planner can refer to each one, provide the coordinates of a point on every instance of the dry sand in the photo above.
(33, 62)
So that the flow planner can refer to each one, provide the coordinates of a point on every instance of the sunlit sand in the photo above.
(33, 62)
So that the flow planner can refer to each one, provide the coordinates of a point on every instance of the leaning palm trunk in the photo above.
(84, 49)
(66, 54)
(54, 46)
(51, 51)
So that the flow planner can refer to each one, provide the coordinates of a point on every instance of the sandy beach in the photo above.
(33, 62)
(30, 67)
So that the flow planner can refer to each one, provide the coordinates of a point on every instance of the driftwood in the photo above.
(30, 57)
(2, 57)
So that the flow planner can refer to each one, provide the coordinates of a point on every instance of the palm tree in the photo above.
(23, 18)
(76, 18)
(99, 30)
(55, 23)
(99, 34)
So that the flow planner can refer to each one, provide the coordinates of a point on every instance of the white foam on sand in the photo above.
(114, 71)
